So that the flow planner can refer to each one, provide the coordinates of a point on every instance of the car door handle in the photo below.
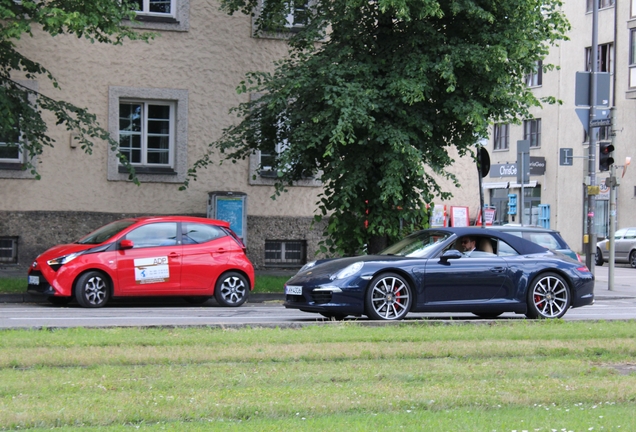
(174, 255)
(498, 269)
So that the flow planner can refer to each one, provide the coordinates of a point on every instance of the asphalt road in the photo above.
(269, 314)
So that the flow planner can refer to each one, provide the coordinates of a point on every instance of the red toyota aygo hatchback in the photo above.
(190, 257)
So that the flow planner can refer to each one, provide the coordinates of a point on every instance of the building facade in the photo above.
(555, 193)
(164, 102)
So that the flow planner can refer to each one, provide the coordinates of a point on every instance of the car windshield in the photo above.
(416, 245)
(106, 232)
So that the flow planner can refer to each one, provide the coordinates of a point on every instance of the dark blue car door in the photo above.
(466, 280)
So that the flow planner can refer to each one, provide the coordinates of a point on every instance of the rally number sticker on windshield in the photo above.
(152, 270)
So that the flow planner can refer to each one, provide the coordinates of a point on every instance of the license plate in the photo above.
(34, 280)
(293, 290)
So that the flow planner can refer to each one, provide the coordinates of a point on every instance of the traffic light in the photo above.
(605, 159)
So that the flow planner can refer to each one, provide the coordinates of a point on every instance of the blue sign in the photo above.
(231, 211)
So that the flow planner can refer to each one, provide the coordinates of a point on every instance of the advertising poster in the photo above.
(459, 216)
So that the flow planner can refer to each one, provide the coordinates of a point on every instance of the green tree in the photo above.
(21, 123)
(373, 104)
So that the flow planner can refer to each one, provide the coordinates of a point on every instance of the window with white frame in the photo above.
(535, 77)
(632, 58)
(633, 9)
(151, 127)
(601, 4)
(9, 150)
(501, 135)
(146, 133)
(605, 58)
(532, 132)
(156, 8)
(297, 16)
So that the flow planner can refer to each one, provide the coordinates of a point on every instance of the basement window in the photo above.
(284, 253)
(8, 250)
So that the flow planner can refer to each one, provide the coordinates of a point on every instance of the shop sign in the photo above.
(537, 167)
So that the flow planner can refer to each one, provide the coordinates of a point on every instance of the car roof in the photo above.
(521, 245)
(173, 218)
(520, 228)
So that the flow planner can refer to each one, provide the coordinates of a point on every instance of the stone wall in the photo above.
(39, 230)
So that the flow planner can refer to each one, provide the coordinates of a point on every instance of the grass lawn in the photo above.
(263, 284)
(421, 375)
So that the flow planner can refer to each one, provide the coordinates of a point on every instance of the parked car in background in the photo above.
(624, 248)
(189, 257)
(428, 272)
(545, 237)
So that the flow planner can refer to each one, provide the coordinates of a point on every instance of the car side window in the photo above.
(630, 234)
(504, 249)
(619, 234)
(195, 233)
(153, 235)
(543, 239)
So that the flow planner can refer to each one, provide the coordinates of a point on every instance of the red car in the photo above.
(190, 257)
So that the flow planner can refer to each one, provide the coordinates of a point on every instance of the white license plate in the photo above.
(34, 280)
(293, 290)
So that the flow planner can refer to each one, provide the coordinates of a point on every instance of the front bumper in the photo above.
(42, 288)
(342, 301)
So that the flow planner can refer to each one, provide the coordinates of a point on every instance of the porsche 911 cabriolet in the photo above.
(431, 271)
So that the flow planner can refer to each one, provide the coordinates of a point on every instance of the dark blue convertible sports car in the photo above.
(428, 272)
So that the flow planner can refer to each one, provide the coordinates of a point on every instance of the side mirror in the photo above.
(450, 254)
(126, 244)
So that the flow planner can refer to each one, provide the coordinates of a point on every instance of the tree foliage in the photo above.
(375, 93)
(21, 108)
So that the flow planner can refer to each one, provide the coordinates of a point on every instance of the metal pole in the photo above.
(523, 180)
(612, 211)
(591, 166)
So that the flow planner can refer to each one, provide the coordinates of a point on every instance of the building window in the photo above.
(633, 9)
(532, 132)
(605, 58)
(9, 150)
(8, 250)
(632, 58)
(601, 4)
(151, 128)
(603, 133)
(146, 133)
(501, 136)
(297, 17)
(535, 77)
(171, 15)
(155, 7)
(285, 252)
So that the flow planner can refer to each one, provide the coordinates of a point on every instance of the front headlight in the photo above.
(60, 261)
(348, 271)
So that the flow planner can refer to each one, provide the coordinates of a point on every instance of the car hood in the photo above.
(329, 267)
(65, 249)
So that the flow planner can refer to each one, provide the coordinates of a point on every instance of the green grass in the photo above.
(522, 375)
(263, 284)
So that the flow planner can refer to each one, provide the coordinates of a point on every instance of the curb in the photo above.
(28, 298)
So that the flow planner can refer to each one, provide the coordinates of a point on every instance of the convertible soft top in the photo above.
(521, 245)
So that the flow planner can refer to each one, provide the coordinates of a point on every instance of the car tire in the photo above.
(197, 299)
(59, 301)
(548, 297)
(487, 315)
(388, 297)
(92, 290)
(232, 289)
(333, 316)
(599, 257)
(632, 259)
